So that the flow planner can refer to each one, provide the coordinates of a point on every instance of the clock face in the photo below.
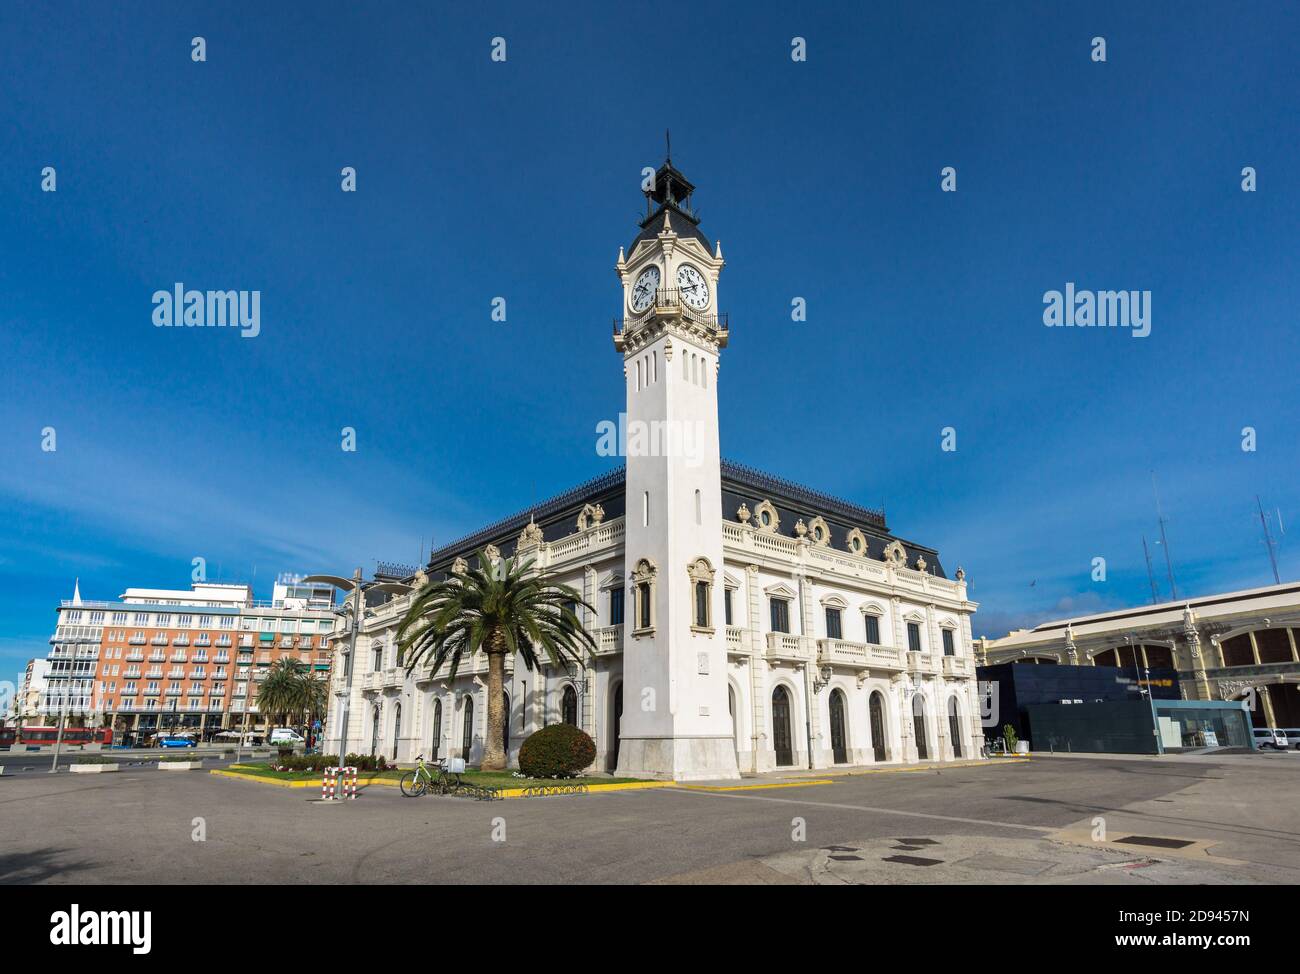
(643, 291)
(694, 288)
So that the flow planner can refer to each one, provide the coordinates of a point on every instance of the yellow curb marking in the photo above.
(390, 782)
(775, 784)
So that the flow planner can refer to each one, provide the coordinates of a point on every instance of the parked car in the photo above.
(1292, 736)
(285, 736)
(178, 742)
(1270, 737)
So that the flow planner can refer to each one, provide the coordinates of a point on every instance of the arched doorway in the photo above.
(505, 723)
(839, 739)
(878, 726)
(616, 726)
(735, 731)
(918, 725)
(467, 732)
(954, 726)
(781, 742)
(374, 732)
(569, 705)
(436, 747)
(397, 727)
(1283, 698)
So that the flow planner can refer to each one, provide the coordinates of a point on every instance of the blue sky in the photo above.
(520, 179)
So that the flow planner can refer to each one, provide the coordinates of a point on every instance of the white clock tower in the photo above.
(676, 721)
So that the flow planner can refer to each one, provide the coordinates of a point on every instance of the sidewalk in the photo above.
(804, 777)
(1223, 756)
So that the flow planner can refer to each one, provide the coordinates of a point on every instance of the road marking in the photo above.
(1041, 830)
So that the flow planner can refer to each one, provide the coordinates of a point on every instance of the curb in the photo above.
(393, 783)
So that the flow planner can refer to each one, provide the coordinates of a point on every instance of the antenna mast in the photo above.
(1268, 542)
(1164, 541)
(1155, 593)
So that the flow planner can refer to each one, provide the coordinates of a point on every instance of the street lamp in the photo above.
(356, 590)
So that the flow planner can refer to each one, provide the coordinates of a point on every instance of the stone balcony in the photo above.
(860, 656)
(922, 663)
(786, 646)
(609, 640)
(957, 667)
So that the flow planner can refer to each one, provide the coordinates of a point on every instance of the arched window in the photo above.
(569, 705)
(954, 726)
(701, 575)
(467, 733)
(918, 726)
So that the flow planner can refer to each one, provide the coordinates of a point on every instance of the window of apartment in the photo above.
(164, 619)
(780, 609)
(616, 606)
(948, 648)
(205, 622)
(97, 618)
(873, 629)
(184, 621)
(726, 605)
(833, 628)
(914, 637)
(376, 656)
(140, 619)
(119, 618)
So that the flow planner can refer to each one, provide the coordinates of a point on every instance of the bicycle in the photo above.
(426, 778)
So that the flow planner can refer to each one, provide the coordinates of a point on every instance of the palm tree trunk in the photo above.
(494, 755)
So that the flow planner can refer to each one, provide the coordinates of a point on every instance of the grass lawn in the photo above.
(486, 779)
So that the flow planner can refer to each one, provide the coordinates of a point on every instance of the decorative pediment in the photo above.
(819, 530)
(834, 602)
(914, 616)
(779, 591)
(856, 542)
(871, 609)
(644, 571)
(766, 516)
(729, 580)
(590, 516)
(895, 554)
(700, 570)
(530, 536)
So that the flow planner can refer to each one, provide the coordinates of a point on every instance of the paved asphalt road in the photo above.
(1000, 822)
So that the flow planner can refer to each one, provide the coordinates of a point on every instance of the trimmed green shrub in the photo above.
(366, 762)
(558, 751)
(172, 758)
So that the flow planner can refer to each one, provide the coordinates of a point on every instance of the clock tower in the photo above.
(676, 721)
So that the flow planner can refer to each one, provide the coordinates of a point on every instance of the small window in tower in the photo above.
(702, 605)
(643, 605)
(654, 366)
(638, 376)
(699, 511)
(645, 509)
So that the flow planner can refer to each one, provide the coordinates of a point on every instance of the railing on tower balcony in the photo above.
(668, 300)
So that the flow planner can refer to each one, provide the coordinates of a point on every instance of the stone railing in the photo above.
(609, 640)
(956, 666)
(783, 645)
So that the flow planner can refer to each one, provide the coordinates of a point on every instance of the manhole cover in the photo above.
(1155, 841)
(913, 861)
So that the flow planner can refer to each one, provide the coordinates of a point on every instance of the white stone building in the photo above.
(744, 623)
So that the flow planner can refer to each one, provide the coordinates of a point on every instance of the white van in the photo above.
(286, 735)
(1270, 737)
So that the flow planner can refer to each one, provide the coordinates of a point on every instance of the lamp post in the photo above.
(356, 590)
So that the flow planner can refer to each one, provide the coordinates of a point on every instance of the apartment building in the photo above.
(180, 659)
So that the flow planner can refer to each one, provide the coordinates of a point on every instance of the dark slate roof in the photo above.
(682, 225)
(557, 515)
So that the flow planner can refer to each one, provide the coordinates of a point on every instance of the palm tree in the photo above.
(501, 608)
(290, 689)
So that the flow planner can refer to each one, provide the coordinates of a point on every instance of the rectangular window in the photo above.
(726, 605)
(702, 605)
(913, 637)
(833, 630)
(780, 615)
(643, 605)
(948, 648)
(645, 509)
(616, 606)
(873, 630)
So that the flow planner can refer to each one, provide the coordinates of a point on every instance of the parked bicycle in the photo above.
(429, 778)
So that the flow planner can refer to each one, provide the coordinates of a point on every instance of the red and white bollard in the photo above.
(329, 784)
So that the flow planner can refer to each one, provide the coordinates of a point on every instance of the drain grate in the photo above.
(845, 858)
(1155, 841)
(913, 860)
